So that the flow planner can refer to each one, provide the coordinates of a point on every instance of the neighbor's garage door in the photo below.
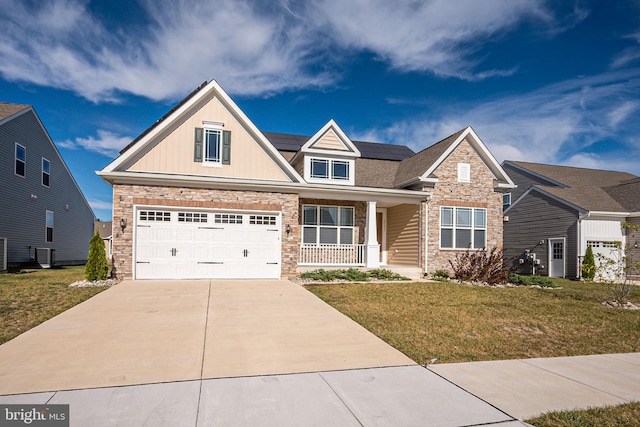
(185, 244)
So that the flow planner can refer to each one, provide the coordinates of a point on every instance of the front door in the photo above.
(556, 257)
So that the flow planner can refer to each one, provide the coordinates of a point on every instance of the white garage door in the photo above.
(186, 244)
(607, 255)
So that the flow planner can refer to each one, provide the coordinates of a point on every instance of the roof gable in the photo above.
(152, 152)
(8, 110)
(587, 190)
(421, 166)
(329, 140)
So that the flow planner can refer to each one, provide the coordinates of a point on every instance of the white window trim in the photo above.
(338, 227)
(330, 160)
(464, 172)
(212, 127)
(15, 159)
(43, 172)
(46, 226)
(473, 228)
(506, 205)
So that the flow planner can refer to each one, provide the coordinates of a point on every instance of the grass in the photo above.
(29, 297)
(461, 323)
(610, 416)
(351, 275)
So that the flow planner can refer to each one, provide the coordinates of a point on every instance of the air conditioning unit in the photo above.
(46, 257)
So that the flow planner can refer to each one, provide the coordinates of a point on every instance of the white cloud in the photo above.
(251, 48)
(99, 204)
(439, 36)
(563, 123)
(622, 112)
(107, 143)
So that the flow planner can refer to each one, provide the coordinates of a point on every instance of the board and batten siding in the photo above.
(24, 201)
(538, 218)
(174, 152)
(330, 141)
(403, 235)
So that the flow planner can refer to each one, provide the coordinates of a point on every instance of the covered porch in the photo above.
(371, 233)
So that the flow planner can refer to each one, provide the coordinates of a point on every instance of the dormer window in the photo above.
(336, 171)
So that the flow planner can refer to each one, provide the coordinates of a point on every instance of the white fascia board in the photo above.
(486, 156)
(608, 214)
(580, 210)
(216, 89)
(331, 124)
(304, 189)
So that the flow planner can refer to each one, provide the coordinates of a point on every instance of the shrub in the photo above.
(440, 275)
(96, 267)
(544, 282)
(351, 275)
(480, 266)
(589, 265)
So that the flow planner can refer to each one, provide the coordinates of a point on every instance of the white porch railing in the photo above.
(338, 255)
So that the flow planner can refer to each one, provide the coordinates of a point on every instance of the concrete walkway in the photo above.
(530, 387)
(202, 353)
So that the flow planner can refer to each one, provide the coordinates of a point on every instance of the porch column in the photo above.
(371, 239)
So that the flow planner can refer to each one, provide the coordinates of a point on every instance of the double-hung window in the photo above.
(46, 172)
(49, 227)
(463, 228)
(212, 146)
(327, 225)
(21, 160)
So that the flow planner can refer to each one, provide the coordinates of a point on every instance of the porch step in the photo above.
(413, 273)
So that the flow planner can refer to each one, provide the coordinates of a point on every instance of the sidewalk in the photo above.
(529, 387)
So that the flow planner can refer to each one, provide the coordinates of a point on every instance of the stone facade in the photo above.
(125, 197)
(479, 193)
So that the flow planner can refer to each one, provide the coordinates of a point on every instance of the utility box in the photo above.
(46, 257)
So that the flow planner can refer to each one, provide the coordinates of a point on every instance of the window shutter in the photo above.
(197, 145)
(226, 147)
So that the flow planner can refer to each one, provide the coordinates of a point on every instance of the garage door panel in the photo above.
(182, 245)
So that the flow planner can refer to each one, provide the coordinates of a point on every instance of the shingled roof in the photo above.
(589, 189)
(416, 165)
(368, 150)
(8, 110)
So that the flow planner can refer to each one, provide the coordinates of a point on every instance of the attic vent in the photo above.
(464, 172)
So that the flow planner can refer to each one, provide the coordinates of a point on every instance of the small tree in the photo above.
(97, 267)
(589, 265)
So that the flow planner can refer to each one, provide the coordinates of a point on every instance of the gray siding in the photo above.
(539, 218)
(522, 180)
(22, 217)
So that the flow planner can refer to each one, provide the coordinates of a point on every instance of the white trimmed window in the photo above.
(463, 228)
(49, 227)
(46, 172)
(327, 225)
(212, 146)
(21, 160)
(506, 200)
(336, 171)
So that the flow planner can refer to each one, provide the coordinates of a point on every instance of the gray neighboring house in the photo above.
(105, 230)
(556, 212)
(44, 216)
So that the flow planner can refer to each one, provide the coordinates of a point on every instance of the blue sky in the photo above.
(544, 81)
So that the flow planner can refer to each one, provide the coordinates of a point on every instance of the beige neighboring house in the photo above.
(104, 229)
(203, 193)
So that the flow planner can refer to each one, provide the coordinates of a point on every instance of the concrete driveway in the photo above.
(145, 332)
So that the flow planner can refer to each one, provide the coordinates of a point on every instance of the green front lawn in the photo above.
(29, 297)
(627, 415)
(462, 323)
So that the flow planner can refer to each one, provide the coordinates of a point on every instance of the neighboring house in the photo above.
(555, 212)
(104, 229)
(43, 214)
(204, 194)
